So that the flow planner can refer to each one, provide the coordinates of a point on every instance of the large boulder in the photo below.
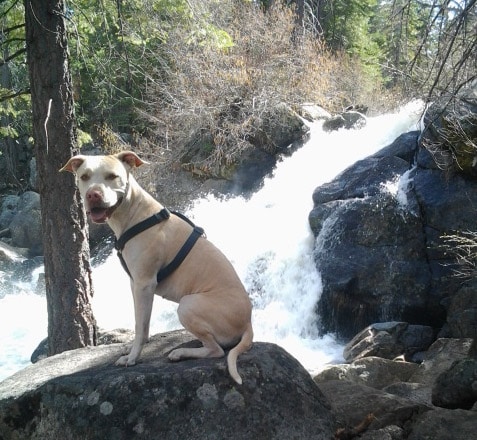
(412, 381)
(357, 405)
(370, 248)
(81, 394)
(379, 229)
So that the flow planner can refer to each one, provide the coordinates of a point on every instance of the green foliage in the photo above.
(13, 114)
(83, 139)
(14, 102)
(116, 50)
(130, 57)
(395, 28)
(345, 24)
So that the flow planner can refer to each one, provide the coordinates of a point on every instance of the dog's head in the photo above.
(103, 181)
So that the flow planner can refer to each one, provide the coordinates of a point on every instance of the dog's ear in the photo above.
(132, 160)
(73, 164)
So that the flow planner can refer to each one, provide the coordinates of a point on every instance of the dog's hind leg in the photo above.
(210, 349)
(190, 317)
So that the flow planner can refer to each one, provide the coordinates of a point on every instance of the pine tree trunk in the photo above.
(67, 269)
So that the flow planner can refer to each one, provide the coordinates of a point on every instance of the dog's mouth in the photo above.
(98, 210)
(99, 215)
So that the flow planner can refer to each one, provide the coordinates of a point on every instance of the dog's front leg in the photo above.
(143, 298)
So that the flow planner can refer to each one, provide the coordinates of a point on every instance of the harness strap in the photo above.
(180, 257)
(164, 214)
(123, 263)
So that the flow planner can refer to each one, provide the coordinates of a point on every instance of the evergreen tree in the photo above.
(67, 269)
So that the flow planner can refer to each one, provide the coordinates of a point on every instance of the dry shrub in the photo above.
(218, 94)
(450, 133)
(355, 83)
(463, 247)
(222, 73)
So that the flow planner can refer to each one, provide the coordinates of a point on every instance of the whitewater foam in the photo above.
(267, 238)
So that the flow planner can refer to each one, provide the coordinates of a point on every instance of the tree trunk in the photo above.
(65, 236)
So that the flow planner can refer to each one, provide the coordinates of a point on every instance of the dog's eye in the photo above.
(85, 177)
(111, 176)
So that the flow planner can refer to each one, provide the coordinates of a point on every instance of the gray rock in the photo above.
(8, 210)
(374, 372)
(416, 392)
(391, 432)
(347, 119)
(353, 403)
(462, 312)
(457, 386)
(444, 424)
(313, 112)
(381, 255)
(25, 226)
(116, 336)
(451, 130)
(81, 394)
(389, 340)
(405, 409)
(9, 255)
(439, 358)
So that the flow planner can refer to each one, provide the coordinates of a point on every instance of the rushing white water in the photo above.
(268, 239)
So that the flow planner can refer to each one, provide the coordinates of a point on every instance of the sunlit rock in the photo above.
(81, 394)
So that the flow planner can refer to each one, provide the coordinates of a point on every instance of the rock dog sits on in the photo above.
(213, 303)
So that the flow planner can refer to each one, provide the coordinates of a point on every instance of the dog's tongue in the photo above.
(98, 215)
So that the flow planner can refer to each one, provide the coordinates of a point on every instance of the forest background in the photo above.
(155, 75)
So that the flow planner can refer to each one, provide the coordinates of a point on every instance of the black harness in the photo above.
(162, 215)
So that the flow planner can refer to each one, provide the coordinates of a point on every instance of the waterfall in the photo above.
(267, 238)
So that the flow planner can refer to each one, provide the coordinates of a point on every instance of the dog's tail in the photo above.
(244, 345)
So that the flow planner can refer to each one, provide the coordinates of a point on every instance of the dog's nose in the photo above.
(94, 196)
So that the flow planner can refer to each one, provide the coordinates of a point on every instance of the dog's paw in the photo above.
(127, 349)
(124, 361)
(175, 355)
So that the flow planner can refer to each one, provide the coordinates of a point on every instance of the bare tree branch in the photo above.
(11, 57)
(14, 95)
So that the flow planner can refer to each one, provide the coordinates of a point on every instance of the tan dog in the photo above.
(213, 303)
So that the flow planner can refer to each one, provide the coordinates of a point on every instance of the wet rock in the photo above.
(349, 119)
(380, 253)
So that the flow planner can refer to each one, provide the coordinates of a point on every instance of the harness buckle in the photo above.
(163, 214)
